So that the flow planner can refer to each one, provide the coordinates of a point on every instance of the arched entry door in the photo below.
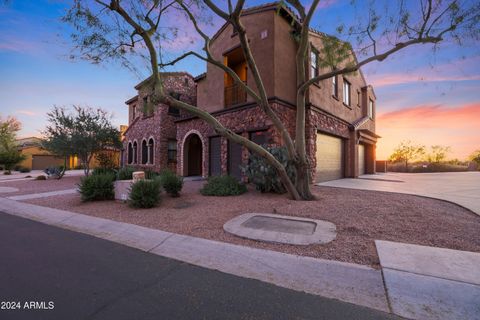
(193, 156)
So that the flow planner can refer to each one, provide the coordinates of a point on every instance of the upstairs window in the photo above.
(172, 110)
(134, 112)
(334, 87)
(359, 98)
(147, 107)
(370, 108)
(172, 150)
(151, 145)
(346, 92)
(313, 63)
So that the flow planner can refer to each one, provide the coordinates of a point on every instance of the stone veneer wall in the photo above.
(242, 121)
(161, 125)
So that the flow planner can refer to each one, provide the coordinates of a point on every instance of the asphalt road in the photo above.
(83, 277)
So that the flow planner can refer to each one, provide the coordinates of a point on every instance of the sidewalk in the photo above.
(348, 282)
(416, 282)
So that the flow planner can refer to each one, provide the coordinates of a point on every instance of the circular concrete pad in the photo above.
(281, 229)
(7, 189)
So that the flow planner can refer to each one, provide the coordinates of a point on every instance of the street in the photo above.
(51, 273)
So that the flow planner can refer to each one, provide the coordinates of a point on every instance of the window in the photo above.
(346, 92)
(172, 150)
(172, 110)
(359, 98)
(147, 108)
(313, 63)
(334, 87)
(144, 152)
(370, 108)
(134, 112)
(135, 152)
(150, 150)
(130, 153)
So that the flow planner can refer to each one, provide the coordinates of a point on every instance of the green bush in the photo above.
(223, 186)
(150, 174)
(145, 194)
(125, 173)
(41, 177)
(263, 175)
(101, 170)
(171, 182)
(97, 187)
(24, 170)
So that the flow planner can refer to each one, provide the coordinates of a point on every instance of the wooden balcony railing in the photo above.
(234, 94)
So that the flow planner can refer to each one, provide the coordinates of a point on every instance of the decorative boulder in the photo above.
(138, 175)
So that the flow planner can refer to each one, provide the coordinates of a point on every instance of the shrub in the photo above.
(145, 194)
(41, 177)
(125, 173)
(97, 187)
(263, 175)
(171, 182)
(7, 173)
(101, 170)
(150, 174)
(24, 170)
(223, 186)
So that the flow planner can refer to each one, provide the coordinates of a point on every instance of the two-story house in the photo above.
(340, 118)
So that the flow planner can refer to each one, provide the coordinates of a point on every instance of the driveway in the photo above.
(462, 188)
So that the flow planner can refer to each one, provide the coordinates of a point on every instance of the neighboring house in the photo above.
(340, 119)
(36, 158)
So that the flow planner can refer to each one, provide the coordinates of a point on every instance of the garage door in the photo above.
(361, 159)
(40, 161)
(329, 158)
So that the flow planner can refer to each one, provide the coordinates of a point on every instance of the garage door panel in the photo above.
(361, 159)
(329, 158)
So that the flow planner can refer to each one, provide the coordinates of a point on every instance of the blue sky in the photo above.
(419, 93)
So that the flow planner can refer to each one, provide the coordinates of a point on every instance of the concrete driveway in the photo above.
(462, 188)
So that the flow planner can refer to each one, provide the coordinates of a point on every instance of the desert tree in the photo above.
(438, 153)
(407, 152)
(125, 30)
(83, 132)
(9, 154)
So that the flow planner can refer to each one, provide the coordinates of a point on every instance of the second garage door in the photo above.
(361, 159)
(329, 158)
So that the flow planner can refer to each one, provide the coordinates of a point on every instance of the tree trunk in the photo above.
(302, 183)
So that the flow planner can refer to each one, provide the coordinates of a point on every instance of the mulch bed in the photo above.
(360, 216)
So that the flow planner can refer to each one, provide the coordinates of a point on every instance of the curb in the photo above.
(348, 282)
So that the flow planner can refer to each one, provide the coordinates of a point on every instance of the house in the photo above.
(340, 119)
(37, 158)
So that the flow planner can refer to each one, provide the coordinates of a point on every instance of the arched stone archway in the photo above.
(193, 155)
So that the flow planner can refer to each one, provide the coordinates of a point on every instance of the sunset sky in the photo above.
(431, 98)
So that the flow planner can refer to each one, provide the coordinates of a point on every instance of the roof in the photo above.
(28, 142)
(165, 74)
(132, 99)
(200, 77)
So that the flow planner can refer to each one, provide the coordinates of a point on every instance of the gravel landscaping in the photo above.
(39, 186)
(360, 217)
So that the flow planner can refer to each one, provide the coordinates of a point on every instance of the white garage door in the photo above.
(329, 158)
(361, 159)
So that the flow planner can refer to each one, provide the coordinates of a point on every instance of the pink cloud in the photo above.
(17, 45)
(453, 71)
(430, 125)
(26, 112)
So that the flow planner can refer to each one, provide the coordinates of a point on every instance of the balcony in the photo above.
(234, 94)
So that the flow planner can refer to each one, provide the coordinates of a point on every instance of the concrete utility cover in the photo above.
(281, 229)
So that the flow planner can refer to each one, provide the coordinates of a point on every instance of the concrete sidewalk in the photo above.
(462, 188)
(348, 282)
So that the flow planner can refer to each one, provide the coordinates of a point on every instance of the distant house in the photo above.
(38, 158)
(340, 117)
